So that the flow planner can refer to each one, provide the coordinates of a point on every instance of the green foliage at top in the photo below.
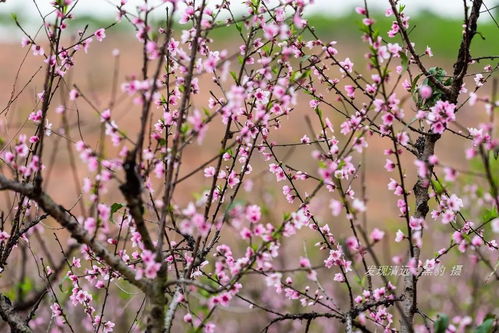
(442, 34)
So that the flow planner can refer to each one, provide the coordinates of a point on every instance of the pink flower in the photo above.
(453, 202)
(350, 91)
(104, 212)
(361, 10)
(305, 139)
(399, 236)
(477, 241)
(335, 207)
(100, 284)
(25, 41)
(479, 80)
(90, 224)
(36, 116)
(51, 61)
(209, 172)
(233, 179)
(4, 236)
(270, 30)
(379, 293)
(413, 266)
(430, 264)
(394, 30)
(422, 168)
(389, 165)
(299, 22)
(187, 15)
(416, 223)
(159, 169)
(388, 119)
(377, 235)
(9, 157)
(304, 262)
(359, 205)
(253, 213)
(339, 277)
(210, 64)
(450, 174)
(425, 92)
(394, 49)
(188, 318)
(108, 327)
(76, 262)
(245, 233)
(209, 328)
(56, 310)
(73, 94)
(105, 115)
(60, 109)
(37, 50)
(368, 21)
(346, 65)
(152, 270)
(100, 34)
(428, 52)
(433, 160)
(403, 138)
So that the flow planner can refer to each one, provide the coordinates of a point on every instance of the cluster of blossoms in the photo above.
(447, 209)
(440, 115)
(81, 297)
(191, 253)
(18, 157)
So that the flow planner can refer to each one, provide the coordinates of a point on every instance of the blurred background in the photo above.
(436, 23)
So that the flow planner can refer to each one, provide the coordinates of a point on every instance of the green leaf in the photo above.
(437, 187)
(441, 323)
(25, 286)
(415, 82)
(204, 293)
(487, 326)
(234, 76)
(489, 214)
(239, 27)
(360, 281)
(300, 75)
(185, 128)
(115, 207)
(319, 112)
(404, 61)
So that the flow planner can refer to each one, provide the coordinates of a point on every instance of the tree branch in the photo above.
(66, 220)
(16, 324)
